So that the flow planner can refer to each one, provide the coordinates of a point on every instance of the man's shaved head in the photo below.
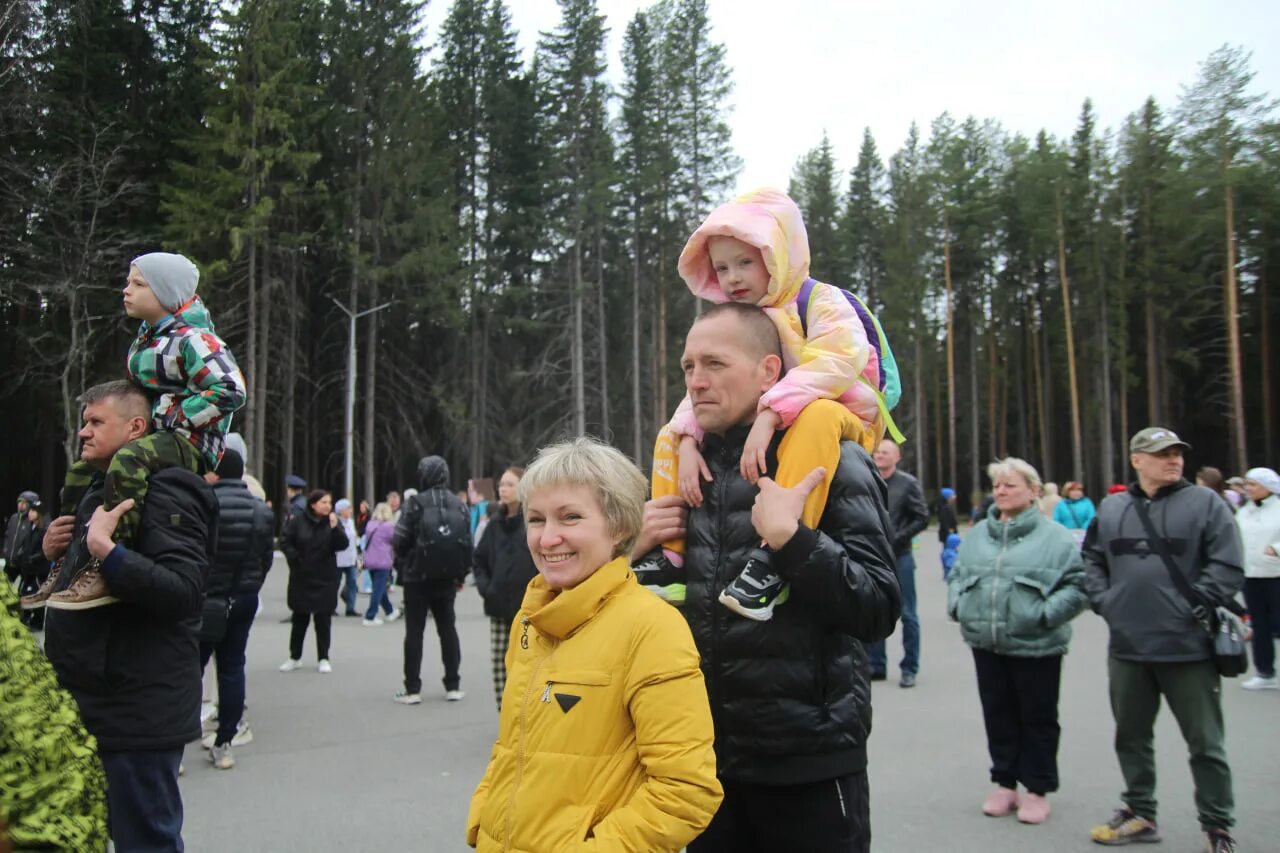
(130, 400)
(759, 336)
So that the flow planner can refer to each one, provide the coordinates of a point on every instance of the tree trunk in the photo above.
(579, 389)
(369, 386)
(1077, 462)
(993, 423)
(951, 349)
(1104, 375)
(1264, 345)
(1037, 379)
(1233, 337)
(290, 346)
(603, 337)
(663, 413)
(921, 442)
(975, 438)
(637, 429)
(258, 438)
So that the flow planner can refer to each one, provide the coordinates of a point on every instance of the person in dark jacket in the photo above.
(789, 697)
(947, 522)
(296, 489)
(908, 516)
(1158, 647)
(503, 568)
(240, 565)
(429, 588)
(310, 543)
(134, 668)
(23, 560)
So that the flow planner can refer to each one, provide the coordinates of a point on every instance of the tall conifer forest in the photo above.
(520, 215)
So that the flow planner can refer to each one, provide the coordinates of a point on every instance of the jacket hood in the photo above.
(765, 218)
(192, 313)
(433, 473)
(1020, 525)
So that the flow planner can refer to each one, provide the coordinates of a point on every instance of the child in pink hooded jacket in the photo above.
(755, 250)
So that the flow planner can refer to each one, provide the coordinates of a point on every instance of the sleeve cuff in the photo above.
(796, 552)
(112, 563)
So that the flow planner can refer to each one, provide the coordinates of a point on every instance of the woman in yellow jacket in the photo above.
(605, 736)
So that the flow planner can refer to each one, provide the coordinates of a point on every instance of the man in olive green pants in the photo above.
(1158, 647)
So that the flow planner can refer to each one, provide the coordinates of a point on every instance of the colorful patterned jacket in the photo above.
(195, 379)
(834, 360)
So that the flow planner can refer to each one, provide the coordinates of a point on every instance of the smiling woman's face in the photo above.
(568, 534)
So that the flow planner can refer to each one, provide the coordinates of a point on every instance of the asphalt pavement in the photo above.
(335, 765)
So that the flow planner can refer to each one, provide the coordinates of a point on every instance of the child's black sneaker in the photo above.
(662, 577)
(757, 589)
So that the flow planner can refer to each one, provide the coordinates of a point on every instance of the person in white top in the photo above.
(1259, 523)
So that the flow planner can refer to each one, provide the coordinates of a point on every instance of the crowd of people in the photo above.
(679, 662)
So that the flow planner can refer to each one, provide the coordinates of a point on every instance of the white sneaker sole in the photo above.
(762, 615)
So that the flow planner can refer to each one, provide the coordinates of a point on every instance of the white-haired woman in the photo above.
(605, 735)
(1259, 523)
(1017, 583)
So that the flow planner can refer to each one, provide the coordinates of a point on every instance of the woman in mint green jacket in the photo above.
(1017, 584)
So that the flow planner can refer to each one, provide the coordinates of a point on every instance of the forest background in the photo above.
(1045, 296)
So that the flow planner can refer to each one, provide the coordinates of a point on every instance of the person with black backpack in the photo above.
(433, 538)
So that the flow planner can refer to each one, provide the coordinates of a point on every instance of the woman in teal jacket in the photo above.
(1017, 583)
(1074, 511)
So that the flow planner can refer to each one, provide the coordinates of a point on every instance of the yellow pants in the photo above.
(813, 440)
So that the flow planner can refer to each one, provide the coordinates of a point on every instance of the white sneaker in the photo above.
(242, 737)
(407, 698)
(208, 712)
(290, 665)
(1260, 683)
(394, 615)
(222, 758)
(372, 623)
(453, 695)
(324, 666)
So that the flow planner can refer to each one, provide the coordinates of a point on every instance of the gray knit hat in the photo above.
(172, 277)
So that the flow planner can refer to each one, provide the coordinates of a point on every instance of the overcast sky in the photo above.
(842, 65)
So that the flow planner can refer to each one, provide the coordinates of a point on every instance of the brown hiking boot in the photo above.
(89, 590)
(36, 600)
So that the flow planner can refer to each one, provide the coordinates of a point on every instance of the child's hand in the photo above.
(753, 465)
(333, 520)
(693, 469)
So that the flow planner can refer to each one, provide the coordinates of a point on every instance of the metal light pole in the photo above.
(349, 430)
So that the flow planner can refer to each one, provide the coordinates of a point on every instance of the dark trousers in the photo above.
(1194, 693)
(1262, 597)
(832, 816)
(876, 652)
(230, 658)
(324, 624)
(436, 598)
(1020, 710)
(144, 805)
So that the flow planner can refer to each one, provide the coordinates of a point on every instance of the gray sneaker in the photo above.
(221, 757)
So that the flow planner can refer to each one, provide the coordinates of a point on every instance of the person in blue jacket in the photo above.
(1074, 511)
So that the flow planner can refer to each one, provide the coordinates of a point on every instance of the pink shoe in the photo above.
(1000, 802)
(1034, 809)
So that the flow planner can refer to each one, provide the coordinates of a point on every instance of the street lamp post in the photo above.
(349, 430)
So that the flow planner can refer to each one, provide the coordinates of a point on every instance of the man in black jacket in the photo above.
(908, 515)
(134, 667)
(789, 697)
(434, 563)
(23, 560)
(240, 565)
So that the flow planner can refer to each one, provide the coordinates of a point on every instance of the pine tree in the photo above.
(813, 187)
(862, 224)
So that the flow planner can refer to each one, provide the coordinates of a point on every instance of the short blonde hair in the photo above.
(382, 512)
(616, 482)
(1013, 465)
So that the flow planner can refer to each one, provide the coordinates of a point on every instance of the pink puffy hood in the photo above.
(765, 218)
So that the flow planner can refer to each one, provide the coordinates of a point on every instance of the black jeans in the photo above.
(1020, 709)
(833, 816)
(144, 805)
(434, 597)
(1262, 597)
(230, 658)
(324, 623)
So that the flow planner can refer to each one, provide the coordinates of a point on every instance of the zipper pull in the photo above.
(524, 634)
(546, 694)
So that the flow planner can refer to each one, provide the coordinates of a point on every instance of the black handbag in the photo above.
(1223, 627)
(213, 623)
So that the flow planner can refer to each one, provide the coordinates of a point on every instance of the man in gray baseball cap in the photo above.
(1158, 648)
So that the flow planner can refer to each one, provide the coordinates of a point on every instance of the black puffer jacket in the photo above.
(245, 527)
(503, 565)
(311, 546)
(790, 697)
(433, 480)
(134, 667)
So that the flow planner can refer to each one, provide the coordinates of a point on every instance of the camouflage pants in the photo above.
(127, 477)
